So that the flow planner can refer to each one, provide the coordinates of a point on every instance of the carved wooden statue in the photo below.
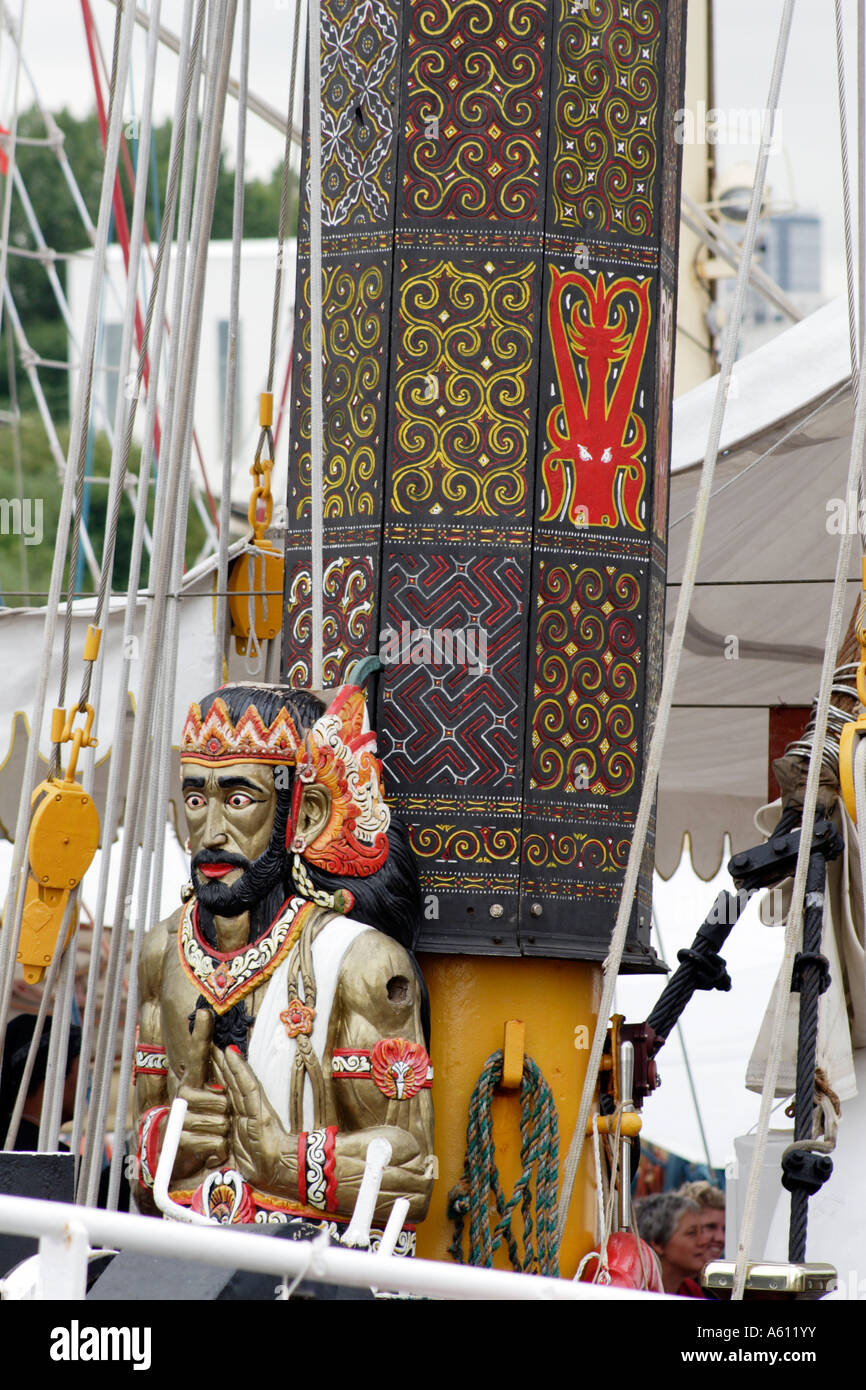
(282, 1000)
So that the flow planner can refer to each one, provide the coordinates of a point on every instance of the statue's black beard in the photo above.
(256, 881)
(261, 889)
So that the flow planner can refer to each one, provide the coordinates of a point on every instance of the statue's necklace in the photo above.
(225, 977)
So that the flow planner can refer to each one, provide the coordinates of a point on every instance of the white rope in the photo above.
(232, 353)
(17, 880)
(111, 815)
(149, 900)
(58, 1044)
(172, 480)
(602, 1271)
(125, 406)
(122, 433)
(316, 421)
(256, 104)
(793, 930)
(642, 819)
(168, 552)
(253, 658)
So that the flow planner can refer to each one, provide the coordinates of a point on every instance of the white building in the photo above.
(258, 269)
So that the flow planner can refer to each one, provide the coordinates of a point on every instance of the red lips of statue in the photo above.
(215, 870)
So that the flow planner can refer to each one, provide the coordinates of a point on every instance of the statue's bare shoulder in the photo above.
(378, 977)
(153, 952)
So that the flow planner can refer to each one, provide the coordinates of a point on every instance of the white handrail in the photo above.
(230, 1247)
(377, 1159)
(167, 1155)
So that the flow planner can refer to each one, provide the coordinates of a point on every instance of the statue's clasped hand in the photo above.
(204, 1140)
(258, 1140)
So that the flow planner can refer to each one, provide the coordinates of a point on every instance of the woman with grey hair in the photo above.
(673, 1226)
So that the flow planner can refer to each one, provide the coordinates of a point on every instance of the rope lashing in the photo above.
(539, 1150)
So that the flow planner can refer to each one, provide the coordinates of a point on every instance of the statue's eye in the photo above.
(238, 800)
(607, 456)
(194, 801)
(585, 455)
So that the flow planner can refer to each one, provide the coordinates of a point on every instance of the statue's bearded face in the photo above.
(230, 814)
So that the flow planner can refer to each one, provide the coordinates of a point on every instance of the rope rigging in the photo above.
(677, 640)
(17, 882)
(539, 1150)
(258, 573)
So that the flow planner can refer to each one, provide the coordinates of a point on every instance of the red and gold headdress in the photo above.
(217, 739)
(338, 753)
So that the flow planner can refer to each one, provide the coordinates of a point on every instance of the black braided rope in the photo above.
(810, 976)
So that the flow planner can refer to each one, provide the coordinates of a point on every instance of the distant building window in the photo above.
(793, 255)
(222, 361)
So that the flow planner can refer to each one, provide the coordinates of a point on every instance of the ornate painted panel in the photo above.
(498, 391)
(361, 57)
(607, 83)
(473, 111)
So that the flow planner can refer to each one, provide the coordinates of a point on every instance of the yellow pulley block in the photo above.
(256, 590)
(852, 733)
(64, 835)
(255, 583)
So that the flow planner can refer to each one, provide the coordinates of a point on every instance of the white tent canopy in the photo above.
(765, 578)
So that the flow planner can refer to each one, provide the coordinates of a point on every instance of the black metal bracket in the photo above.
(771, 863)
(803, 1171)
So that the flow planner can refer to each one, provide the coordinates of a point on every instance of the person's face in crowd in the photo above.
(685, 1254)
(713, 1219)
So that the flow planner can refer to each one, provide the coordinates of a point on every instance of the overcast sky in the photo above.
(805, 174)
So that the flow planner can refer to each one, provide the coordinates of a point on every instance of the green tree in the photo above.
(64, 232)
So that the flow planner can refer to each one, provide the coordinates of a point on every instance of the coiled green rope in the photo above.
(539, 1149)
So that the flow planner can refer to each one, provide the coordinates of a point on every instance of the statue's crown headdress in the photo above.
(338, 753)
(217, 739)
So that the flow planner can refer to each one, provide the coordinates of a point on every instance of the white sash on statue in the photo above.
(272, 1051)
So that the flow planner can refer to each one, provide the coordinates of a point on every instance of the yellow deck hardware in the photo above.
(470, 996)
(629, 1124)
(259, 572)
(852, 733)
(513, 1050)
(64, 834)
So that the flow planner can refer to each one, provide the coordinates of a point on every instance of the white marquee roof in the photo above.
(767, 567)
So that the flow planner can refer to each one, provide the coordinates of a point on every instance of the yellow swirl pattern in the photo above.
(354, 356)
(464, 358)
(606, 97)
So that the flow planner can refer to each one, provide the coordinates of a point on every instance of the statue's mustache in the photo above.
(214, 856)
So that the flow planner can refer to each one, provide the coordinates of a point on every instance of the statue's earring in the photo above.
(187, 892)
(340, 901)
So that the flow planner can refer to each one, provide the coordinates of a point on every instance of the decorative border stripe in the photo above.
(318, 1164)
(150, 1061)
(149, 1142)
(356, 1063)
